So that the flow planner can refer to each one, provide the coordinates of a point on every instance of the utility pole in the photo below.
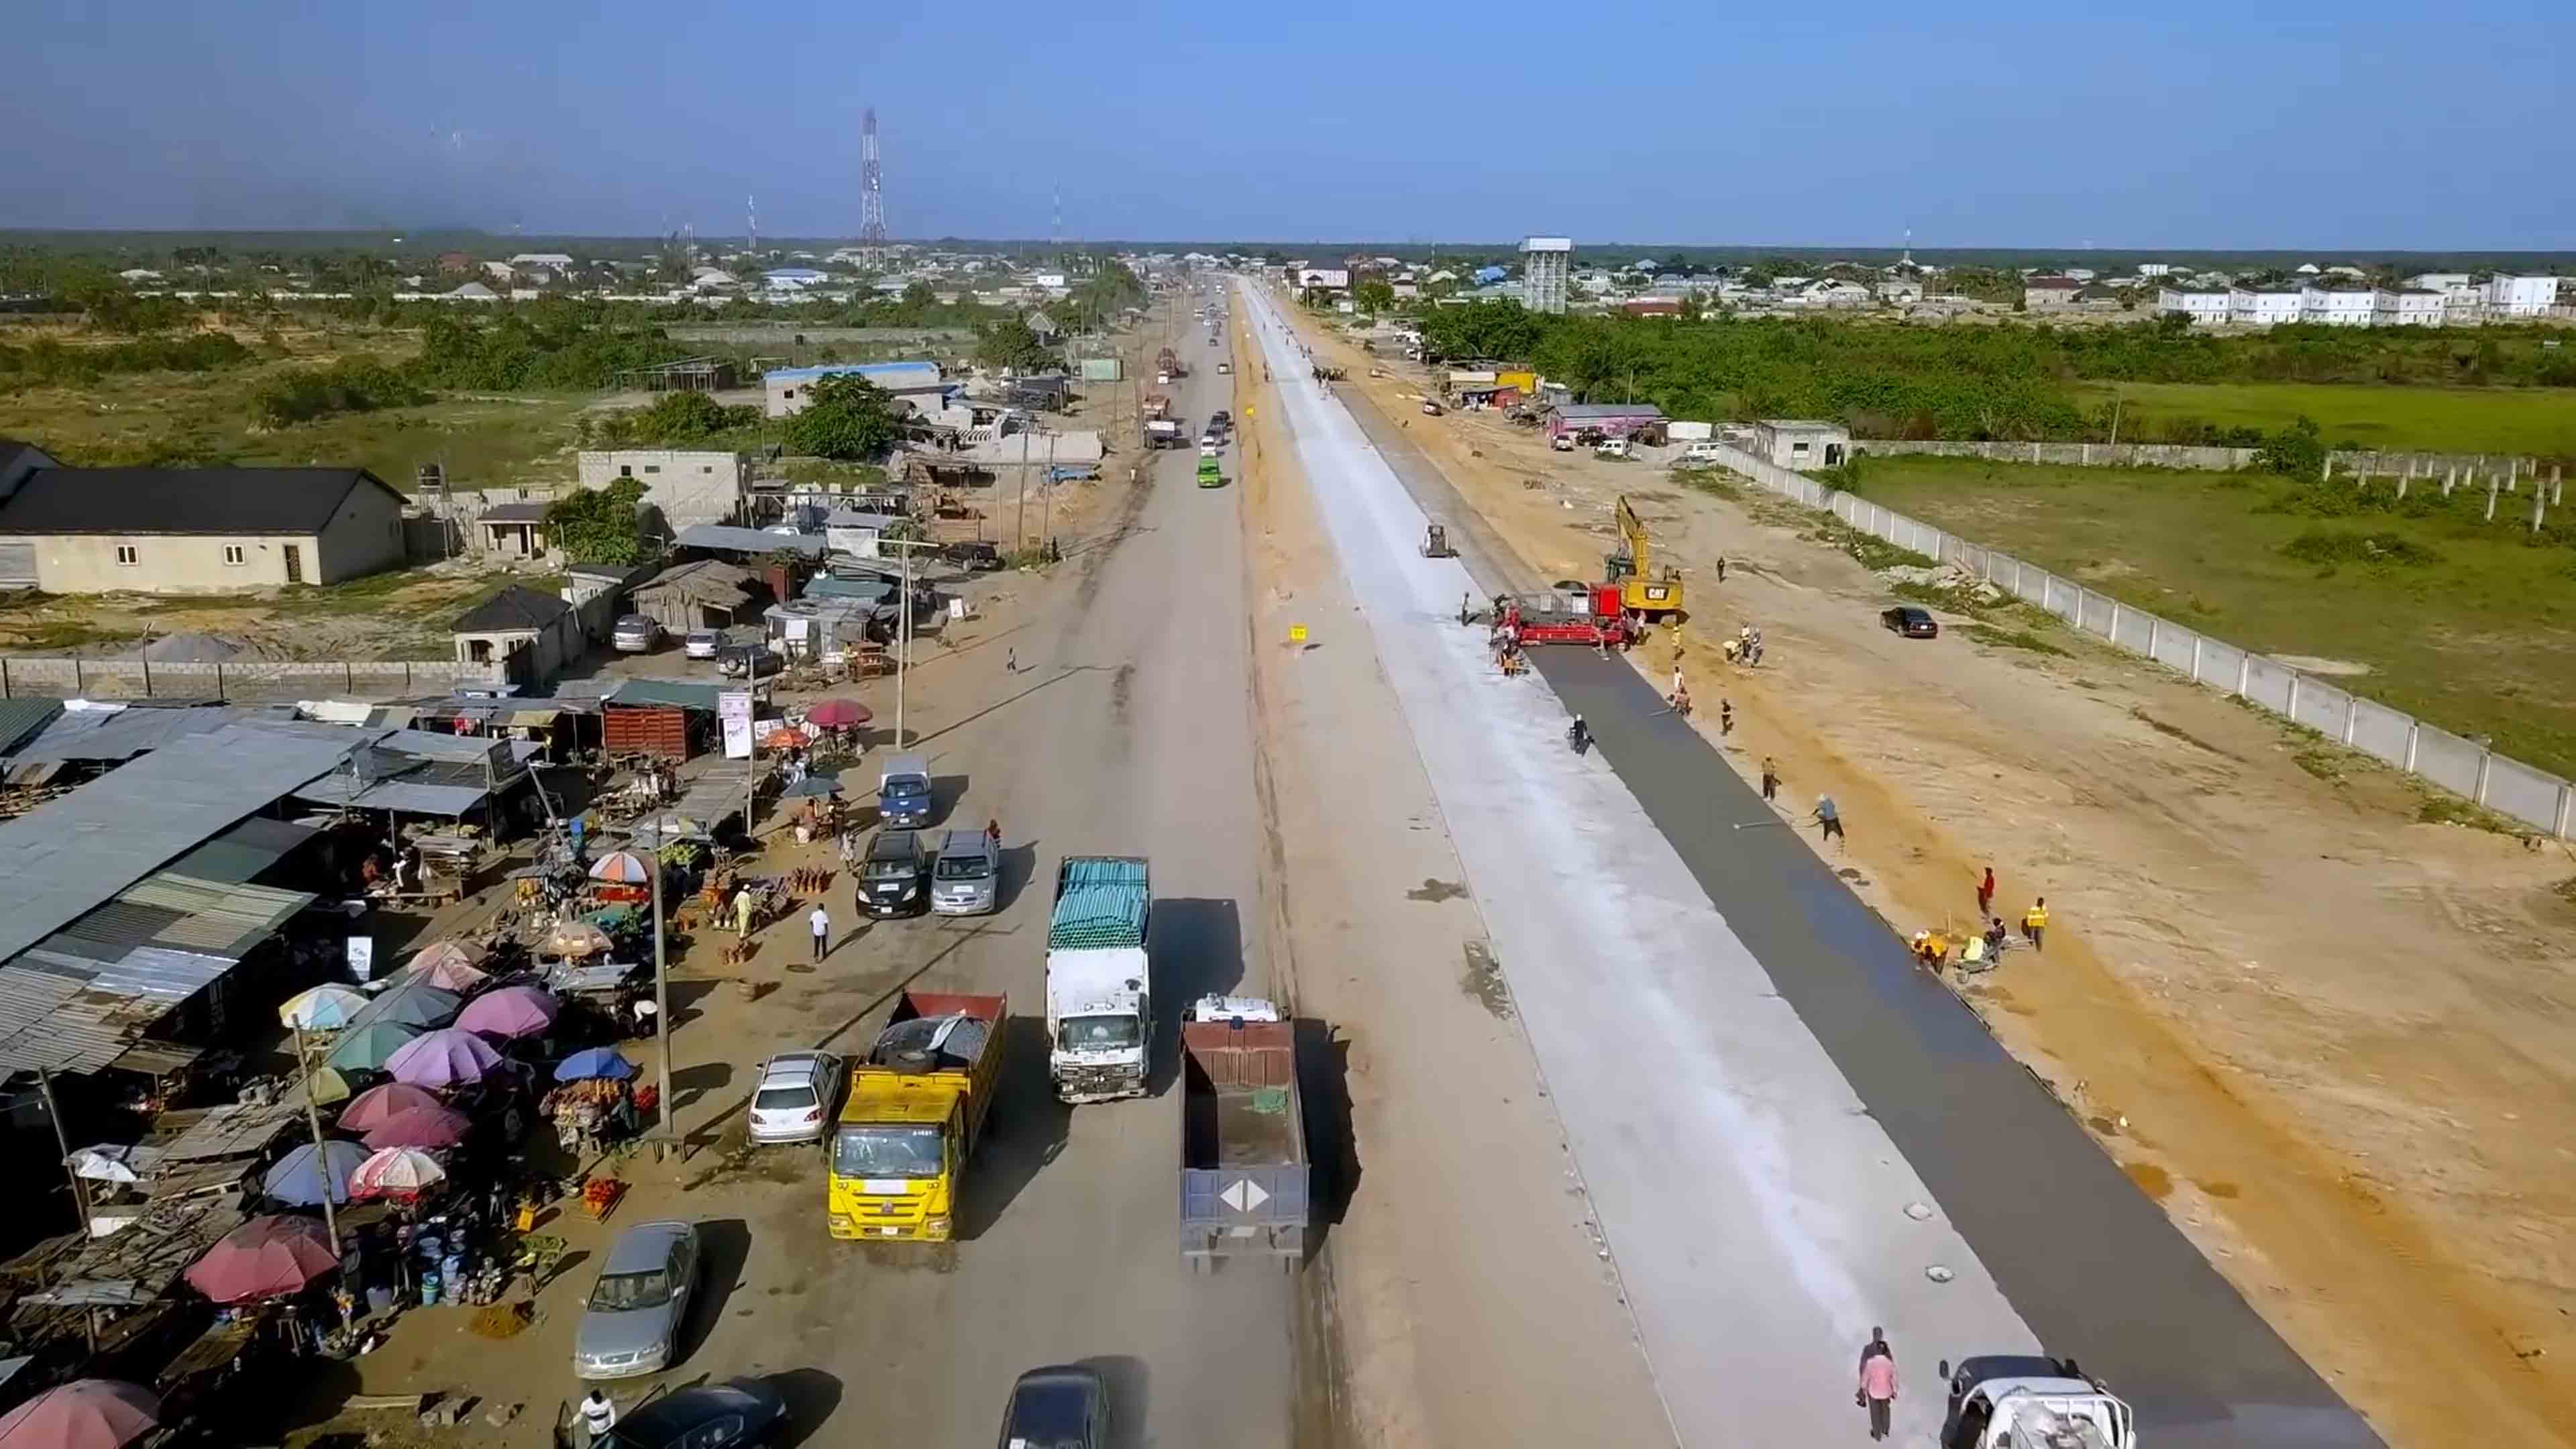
(903, 648)
(321, 1156)
(1046, 500)
(53, 1114)
(650, 838)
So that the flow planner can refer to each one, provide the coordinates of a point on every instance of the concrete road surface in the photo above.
(1763, 1096)
(1124, 730)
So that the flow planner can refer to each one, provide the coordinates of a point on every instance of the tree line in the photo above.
(1957, 382)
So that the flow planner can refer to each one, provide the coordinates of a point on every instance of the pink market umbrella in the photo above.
(512, 1011)
(84, 1414)
(621, 867)
(445, 1058)
(839, 714)
(450, 966)
(267, 1257)
(404, 1172)
(370, 1108)
(427, 1128)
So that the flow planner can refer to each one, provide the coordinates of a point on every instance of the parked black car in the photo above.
(1064, 1407)
(749, 661)
(727, 1415)
(979, 556)
(1911, 622)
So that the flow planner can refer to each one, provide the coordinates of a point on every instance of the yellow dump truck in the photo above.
(916, 1108)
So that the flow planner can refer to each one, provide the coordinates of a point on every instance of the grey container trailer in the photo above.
(1246, 1186)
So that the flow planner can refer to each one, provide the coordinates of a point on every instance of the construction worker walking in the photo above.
(1770, 778)
(2034, 922)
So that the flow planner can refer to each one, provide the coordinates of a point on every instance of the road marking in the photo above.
(1243, 1196)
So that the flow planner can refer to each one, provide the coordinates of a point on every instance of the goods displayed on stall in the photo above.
(591, 1113)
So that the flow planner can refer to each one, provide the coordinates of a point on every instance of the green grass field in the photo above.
(2466, 624)
(2528, 421)
(179, 417)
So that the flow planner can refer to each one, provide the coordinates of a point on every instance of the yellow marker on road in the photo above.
(1296, 633)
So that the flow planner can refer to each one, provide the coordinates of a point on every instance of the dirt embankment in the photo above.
(2329, 1039)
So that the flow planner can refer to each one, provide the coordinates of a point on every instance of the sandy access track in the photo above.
(2328, 1039)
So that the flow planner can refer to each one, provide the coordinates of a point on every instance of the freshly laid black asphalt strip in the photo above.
(2092, 1265)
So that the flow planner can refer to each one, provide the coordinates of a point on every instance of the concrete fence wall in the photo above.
(2509, 787)
(55, 677)
(2347, 462)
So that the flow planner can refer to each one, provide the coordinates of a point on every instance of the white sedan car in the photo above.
(795, 1097)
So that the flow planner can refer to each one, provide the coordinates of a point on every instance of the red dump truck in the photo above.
(1246, 1186)
(1167, 366)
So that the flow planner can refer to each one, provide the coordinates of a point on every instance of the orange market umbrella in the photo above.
(839, 714)
(621, 867)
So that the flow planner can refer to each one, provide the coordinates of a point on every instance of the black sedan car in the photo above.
(1064, 1407)
(976, 556)
(1911, 622)
(727, 1415)
(895, 878)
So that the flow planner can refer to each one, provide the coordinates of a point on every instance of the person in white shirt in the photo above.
(598, 1416)
(821, 921)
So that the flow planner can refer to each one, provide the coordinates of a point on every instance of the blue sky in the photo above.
(2366, 125)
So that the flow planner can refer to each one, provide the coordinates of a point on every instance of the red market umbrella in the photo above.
(839, 714)
(444, 1058)
(621, 867)
(450, 966)
(83, 1414)
(370, 1108)
(402, 1172)
(512, 1011)
(267, 1257)
(428, 1128)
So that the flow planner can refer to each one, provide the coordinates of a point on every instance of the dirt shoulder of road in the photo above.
(2329, 1039)
(1465, 1288)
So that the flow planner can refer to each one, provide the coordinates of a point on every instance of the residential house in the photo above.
(2154, 269)
(702, 594)
(1616, 420)
(1322, 279)
(2338, 306)
(685, 486)
(2205, 306)
(2410, 307)
(536, 633)
(2050, 294)
(189, 530)
(1796, 443)
(2096, 297)
(2438, 281)
(515, 530)
(452, 264)
(787, 390)
(1900, 291)
(2266, 307)
(2520, 296)
(1651, 307)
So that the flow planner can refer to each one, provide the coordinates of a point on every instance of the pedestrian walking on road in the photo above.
(743, 909)
(1986, 893)
(1721, 568)
(598, 1416)
(1677, 676)
(1770, 778)
(2034, 922)
(821, 921)
(993, 831)
(1877, 1391)
(1725, 717)
(1011, 660)
(1827, 816)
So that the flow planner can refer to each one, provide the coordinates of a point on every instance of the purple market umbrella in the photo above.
(84, 1414)
(263, 1258)
(512, 1011)
(430, 1128)
(305, 1176)
(444, 1058)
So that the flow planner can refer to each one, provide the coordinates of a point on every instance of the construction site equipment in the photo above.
(1588, 614)
(1436, 544)
(1643, 591)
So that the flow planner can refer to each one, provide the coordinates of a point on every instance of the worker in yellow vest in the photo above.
(2034, 922)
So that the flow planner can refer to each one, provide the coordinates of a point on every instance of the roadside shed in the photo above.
(704, 593)
(1611, 420)
(1799, 443)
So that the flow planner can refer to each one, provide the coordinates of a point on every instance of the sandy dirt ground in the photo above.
(2327, 1038)
(1467, 1285)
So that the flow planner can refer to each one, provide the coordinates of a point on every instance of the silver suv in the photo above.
(967, 879)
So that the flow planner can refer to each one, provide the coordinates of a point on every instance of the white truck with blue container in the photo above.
(1099, 980)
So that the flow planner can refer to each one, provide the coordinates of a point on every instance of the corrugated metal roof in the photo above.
(235, 1129)
(221, 917)
(243, 852)
(747, 540)
(686, 693)
(99, 734)
(20, 718)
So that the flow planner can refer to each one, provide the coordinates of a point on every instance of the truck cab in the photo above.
(2006, 1401)
(904, 798)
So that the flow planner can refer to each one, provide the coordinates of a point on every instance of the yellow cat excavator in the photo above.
(1643, 590)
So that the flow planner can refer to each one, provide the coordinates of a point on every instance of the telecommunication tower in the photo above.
(872, 222)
